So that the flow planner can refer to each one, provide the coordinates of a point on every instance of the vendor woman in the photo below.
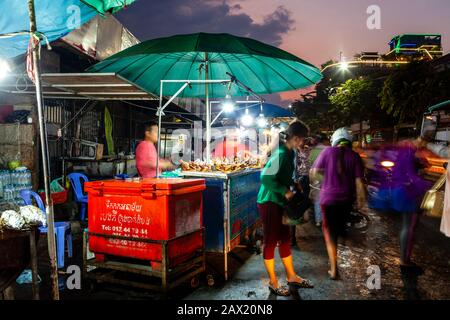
(275, 192)
(146, 154)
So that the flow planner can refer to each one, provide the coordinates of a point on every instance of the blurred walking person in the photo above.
(401, 189)
(342, 171)
(321, 144)
(275, 192)
(302, 166)
(408, 192)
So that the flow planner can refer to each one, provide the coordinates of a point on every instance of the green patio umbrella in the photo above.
(111, 6)
(264, 68)
(203, 56)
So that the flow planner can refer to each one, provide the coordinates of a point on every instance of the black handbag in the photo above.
(297, 206)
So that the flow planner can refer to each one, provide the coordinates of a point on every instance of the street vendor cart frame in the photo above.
(108, 270)
(229, 212)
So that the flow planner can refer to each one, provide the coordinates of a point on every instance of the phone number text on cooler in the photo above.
(225, 310)
(125, 231)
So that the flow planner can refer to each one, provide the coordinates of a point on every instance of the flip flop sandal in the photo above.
(280, 291)
(305, 284)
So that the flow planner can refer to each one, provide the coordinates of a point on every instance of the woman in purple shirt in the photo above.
(342, 184)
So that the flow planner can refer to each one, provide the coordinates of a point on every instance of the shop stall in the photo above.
(167, 247)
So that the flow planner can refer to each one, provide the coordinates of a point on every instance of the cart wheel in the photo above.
(195, 282)
(210, 280)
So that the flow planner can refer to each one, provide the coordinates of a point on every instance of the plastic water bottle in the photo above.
(8, 194)
(6, 177)
(28, 182)
(13, 177)
(1, 186)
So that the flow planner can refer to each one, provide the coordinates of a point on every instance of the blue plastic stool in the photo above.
(80, 197)
(63, 231)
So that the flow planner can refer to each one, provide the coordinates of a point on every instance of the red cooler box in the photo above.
(154, 209)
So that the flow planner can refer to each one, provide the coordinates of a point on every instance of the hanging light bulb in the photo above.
(261, 121)
(228, 104)
(247, 119)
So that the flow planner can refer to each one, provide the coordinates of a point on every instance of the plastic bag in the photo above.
(27, 277)
(171, 174)
(12, 220)
(33, 215)
(56, 186)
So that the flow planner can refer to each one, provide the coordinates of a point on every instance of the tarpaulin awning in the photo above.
(104, 6)
(95, 86)
(54, 19)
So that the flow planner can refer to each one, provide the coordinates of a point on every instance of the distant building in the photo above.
(368, 56)
(403, 49)
(415, 47)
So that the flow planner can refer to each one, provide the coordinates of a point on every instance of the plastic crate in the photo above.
(57, 197)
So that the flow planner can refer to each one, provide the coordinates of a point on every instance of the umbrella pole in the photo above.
(160, 111)
(208, 111)
(45, 163)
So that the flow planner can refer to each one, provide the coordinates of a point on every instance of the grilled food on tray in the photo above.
(195, 166)
(222, 165)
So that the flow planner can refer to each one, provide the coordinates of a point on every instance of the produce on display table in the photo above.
(33, 215)
(11, 219)
(223, 165)
(26, 217)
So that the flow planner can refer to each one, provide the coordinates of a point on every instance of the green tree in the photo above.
(356, 100)
(409, 91)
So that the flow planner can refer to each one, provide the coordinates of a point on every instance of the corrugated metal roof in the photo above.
(95, 86)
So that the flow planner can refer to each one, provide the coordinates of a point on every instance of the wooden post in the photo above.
(34, 265)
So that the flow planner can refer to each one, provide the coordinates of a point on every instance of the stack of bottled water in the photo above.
(12, 183)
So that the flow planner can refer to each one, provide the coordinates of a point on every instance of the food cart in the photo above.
(229, 210)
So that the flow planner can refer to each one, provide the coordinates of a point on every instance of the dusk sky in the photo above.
(315, 30)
